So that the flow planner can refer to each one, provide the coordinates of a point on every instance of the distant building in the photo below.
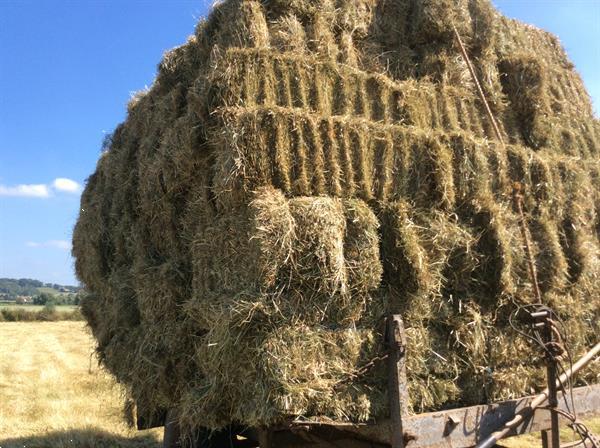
(24, 300)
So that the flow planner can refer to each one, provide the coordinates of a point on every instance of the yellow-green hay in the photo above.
(301, 169)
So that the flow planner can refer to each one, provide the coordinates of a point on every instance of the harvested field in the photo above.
(50, 399)
(299, 170)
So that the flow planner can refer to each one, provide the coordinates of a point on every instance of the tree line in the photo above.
(11, 288)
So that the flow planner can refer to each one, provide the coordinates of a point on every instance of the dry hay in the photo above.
(301, 169)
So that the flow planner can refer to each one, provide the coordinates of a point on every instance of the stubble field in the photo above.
(54, 395)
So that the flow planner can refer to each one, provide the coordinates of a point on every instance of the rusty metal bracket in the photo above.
(397, 383)
(550, 439)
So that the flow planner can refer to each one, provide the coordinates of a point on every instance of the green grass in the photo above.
(52, 291)
(13, 306)
(47, 290)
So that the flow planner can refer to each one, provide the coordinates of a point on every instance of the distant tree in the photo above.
(79, 297)
(48, 312)
(28, 282)
(50, 307)
(43, 299)
(13, 288)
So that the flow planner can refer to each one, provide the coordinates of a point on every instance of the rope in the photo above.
(518, 198)
(478, 85)
(555, 350)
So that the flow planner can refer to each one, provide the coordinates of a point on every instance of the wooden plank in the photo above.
(172, 432)
(397, 383)
(465, 427)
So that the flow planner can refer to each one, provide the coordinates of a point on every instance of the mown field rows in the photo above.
(54, 395)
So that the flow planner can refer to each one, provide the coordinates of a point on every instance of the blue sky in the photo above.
(67, 70)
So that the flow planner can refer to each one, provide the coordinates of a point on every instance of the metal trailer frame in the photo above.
(453, 428)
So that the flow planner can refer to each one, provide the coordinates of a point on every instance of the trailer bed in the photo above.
(454, 428)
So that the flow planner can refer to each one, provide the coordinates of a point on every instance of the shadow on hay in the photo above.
(83, 438)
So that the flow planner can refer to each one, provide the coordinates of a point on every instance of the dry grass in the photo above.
(49, 396)
(534, 441)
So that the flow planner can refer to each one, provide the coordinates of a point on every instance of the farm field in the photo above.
(12, 306)
(50, 398)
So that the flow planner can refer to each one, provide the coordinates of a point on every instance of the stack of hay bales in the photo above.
(301, 169)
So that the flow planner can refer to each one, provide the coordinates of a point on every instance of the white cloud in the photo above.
(59, 185)
(54, 244)
(26, 190)
(66, 185)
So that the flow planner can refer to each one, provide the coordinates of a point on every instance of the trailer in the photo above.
(478, 426)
